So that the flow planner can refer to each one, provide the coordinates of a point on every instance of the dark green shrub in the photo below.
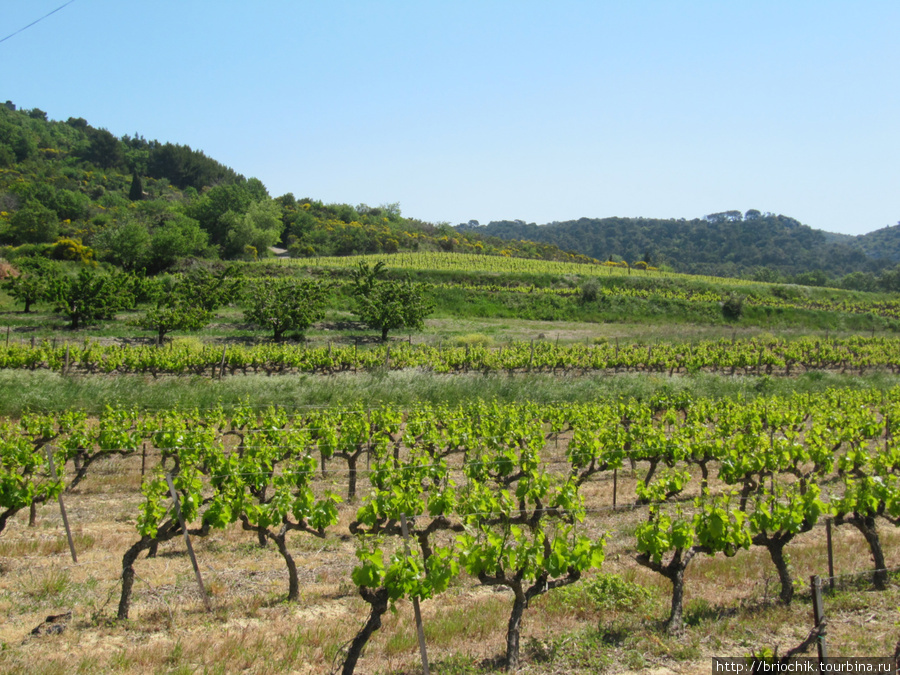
(733, 307)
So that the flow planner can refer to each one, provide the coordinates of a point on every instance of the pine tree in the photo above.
(136, 193)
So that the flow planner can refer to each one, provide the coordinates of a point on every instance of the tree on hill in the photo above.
(184, 167)
(136, 192)
(35, 283)
(34, 223)
(890, 280)
(88, 297)
(286, 304)
(389, 304)
(217, 209)
(104, 150)
(176, 308)
(250, 235)
(176, 237)
(126, 243)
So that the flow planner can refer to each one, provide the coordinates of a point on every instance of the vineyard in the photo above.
(764, 355)
(498, 274)
(882, 308)
(586, 504)
(471, 262)
(515, 496)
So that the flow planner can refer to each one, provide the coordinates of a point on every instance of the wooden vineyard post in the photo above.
(66, 364)
(819, 618)
(62, 506)
(222, 363)
(187, 540)
(420, 630)
(369, 444)
(830, 556)
(143, 461)
(615, 486)
(387, 358)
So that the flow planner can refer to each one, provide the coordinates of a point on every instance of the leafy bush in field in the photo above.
(472, 340)
(590, 291)
(733, 307)
(609, 591)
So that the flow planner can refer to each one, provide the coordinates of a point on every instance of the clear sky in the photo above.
(495, 109)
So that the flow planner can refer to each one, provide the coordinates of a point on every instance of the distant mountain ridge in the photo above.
(730, 243)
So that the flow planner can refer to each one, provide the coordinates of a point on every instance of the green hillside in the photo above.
(72, 191)
(722, 244)
(883, 243)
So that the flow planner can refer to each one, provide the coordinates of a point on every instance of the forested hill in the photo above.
(72, 191)
(722, 244)
(883, 243)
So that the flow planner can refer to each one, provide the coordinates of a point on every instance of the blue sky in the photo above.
(491, 110)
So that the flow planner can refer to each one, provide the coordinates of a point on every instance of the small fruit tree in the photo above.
(389, 304)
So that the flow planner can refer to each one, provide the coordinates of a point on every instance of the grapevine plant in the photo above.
(671, 538)
(522, 526)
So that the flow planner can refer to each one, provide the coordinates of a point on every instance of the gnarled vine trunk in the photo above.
(674, 572)
(378, 600)
(869, 529)
(776, 552)
(520, 603)
(168, 530)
